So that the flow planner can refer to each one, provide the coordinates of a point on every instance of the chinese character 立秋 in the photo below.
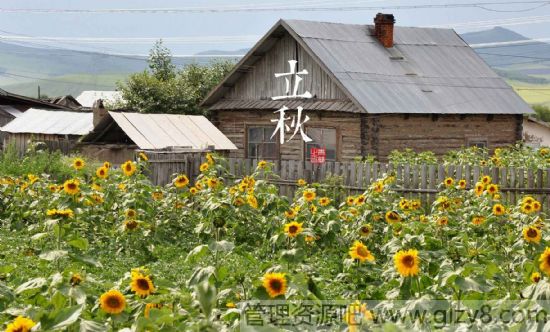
(296, 123)
(292, 75)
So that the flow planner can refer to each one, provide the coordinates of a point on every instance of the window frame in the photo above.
(336, 144)
(247, 141)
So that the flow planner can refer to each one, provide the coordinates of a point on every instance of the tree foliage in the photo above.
(543, 112)
(163, 88)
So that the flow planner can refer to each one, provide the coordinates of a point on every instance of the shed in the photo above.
(58, 129)
(89, 97)
(373, 88)
(536, 133)
(117, 135)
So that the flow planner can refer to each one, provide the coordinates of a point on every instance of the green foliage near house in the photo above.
(166, 89)
(542, 112)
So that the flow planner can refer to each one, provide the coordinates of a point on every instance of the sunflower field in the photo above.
(105, 250)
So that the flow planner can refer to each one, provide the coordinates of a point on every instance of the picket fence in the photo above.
(414, 181)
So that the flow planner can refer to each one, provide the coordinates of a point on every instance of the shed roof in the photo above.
(41, 121)
(10, 110)
(88, 98)
(161, 131)
(428, 70)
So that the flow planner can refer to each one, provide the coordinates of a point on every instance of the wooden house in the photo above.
(374, 88)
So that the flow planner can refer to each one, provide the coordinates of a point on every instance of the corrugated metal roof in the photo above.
(10, 110)
(308, 105)
(160, 131)
(437, 73)
(88, 98)
(39, 121)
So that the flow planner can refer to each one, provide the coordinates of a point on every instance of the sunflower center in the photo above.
(365, 230)
(113, 302)
(408, 261)
(71, 186)
(276, 285)
(362, 251)
(531, 232)
(393, 216)
(128, 167)
(293, 229)
(142, 284)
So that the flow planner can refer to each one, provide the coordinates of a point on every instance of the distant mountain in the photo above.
(242, 51)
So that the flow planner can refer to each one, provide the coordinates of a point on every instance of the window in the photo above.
(322, 138)
(259, 145)
(481, 143)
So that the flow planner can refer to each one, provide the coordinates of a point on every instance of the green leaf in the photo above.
(6, 293)
(292, 255)
(91, 326)
(31, 284)
(469, 284)
(53, 255)
(66, 317)
(197, 253)
(38, 236)
(79, 243)
(200, 275)
(206, 294)
(87, 260)
(221, 245)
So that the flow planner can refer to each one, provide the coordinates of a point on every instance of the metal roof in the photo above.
(14, 112)
(428, 70)
(88, 98)
(160, 131)
(40, 121)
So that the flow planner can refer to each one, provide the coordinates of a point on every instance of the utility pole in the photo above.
(38, 91)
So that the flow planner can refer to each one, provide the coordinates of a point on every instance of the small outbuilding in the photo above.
(58, 129)
(536, 133)
(117, 135)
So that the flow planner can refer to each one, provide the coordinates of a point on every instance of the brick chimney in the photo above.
(383, 29)
(98, 111)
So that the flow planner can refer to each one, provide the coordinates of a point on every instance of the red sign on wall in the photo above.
(318, 155)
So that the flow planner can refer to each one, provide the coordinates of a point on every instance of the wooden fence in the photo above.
(354, 177)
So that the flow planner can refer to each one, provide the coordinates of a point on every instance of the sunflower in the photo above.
(499, 209)
(142, 156)
(130, 224)
(150, 306)
(359, 251)
(32, 178)
(96, 187)
(537, 205)
(193, 190)
(230, 305)
(290, 214)
(102, 172)
(294, 228)
(65, 213)
(535, 277)
(462, 184)
(492, 189)
(142, 285)
(20, 324)
(107, 164)
(407, 262)
(212, 182)
(71, 187)
(301, 182)
(350, 200)
(378, 186)
(157, 195)
(442, 221)
(545, 261)
(181, 181)
(404, 204)
(527, 208)
(76, 279)
(128, 168)
(252, 201)
(544, 151)
(78, 163)
(313, 209)
(324, 201)
(392, 217)
(210, 158)
(449, 182)
(309, 195)
(357, 314)
(204, 167)
(531, 234)
(198, 185)
(528, 200)
(112, 302)
(415, 204)
(486, 179)
(365, 230)
(239, 201)
(480, 187)
(274, 284)
(130, 213)
(360, 200)
(262, 164)
(478, 220)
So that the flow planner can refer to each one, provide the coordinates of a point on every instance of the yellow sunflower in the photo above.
(71, 187)
(478, 220)
(239, 201)
(360, 200)
(193, 190)
(130, 213)
(301, 182)
(274, 284)
(294, 228)
(527, 208)
(78, 163)
(252, 201)
(531, 234)
(157, 195)
(102, 172)
(407, 262)
(309, 195)
(212, 182)
(492, 189)
(76, 279)
(324, 201)
(142, 156)
(442, 221)
(290, 214)
(486, 179)
(128, 168)
(181, 181)
(480, 187)
(350, 200)
(365, 230)
(378, 186)
(528, 200)
(20, 324)
(130, 224)
(112, 302)
(545, 261)
(210, 158)
(537, 205)
(392, 217)
(204, 167)
(262, 164)
(107, 164)
(359, 251)
(150, 306)
(499, 209)
(535, 277)
(462, 184)
(142, 285)
(357, 314)
(449, 182)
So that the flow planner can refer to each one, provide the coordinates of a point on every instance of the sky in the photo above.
(122, 27)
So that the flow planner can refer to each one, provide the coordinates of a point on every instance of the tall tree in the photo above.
(163, 88)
